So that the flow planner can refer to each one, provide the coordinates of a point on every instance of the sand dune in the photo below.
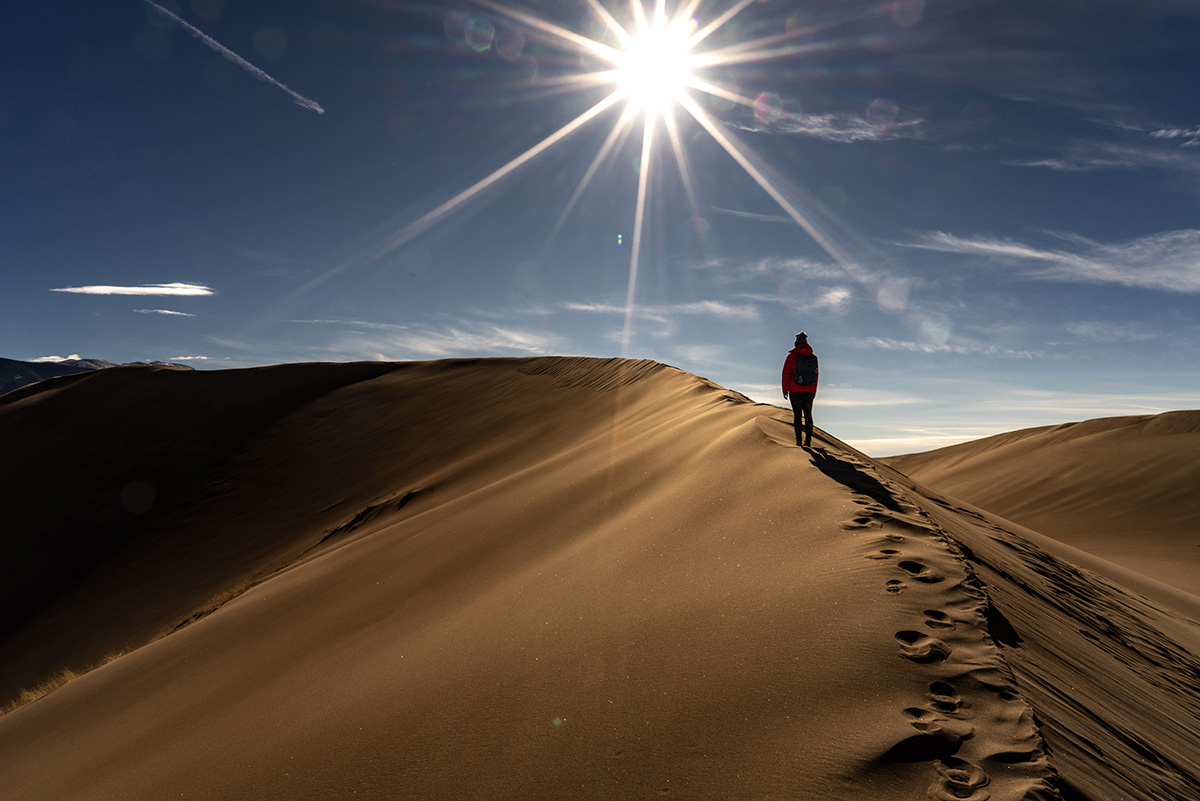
(1122, 488)
(543, 578)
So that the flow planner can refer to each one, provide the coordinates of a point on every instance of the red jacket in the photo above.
(789, 385)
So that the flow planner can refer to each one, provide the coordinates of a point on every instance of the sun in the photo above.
(655, 68)
(654, 65)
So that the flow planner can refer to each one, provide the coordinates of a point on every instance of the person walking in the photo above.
(800, 387)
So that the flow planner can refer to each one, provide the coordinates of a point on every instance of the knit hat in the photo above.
(802, 338)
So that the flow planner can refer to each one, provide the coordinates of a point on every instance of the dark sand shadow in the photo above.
(846, 473)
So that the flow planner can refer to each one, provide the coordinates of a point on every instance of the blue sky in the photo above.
(985, 214)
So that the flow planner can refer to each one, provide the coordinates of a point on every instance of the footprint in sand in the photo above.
(938, 726)
(938, 620)
(921, 647)
(895, 586)
(920, 572)
(959, 780)
(885, 553)
(936, 737)
(945, 698)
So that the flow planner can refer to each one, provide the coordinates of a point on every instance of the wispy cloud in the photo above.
(177, 289)
(1055, 406)
(840, 128)
(774, 266)
(712, 355)
(708, 308)
(913, 346)
(233, 57)
(189, 358)
(431, 342)
(164, 311)
(749, 215)
(833, 299)
(939, 341)
(354, 324)
(1002, 409)
(1168, 261)
(1095, 331)
(1090, 156)
(1190, 136)
(852, 397)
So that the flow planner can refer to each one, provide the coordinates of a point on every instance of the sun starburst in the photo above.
(653, 66)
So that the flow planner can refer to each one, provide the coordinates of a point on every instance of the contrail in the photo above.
(300, 99)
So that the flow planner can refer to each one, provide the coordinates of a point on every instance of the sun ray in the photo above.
(415, 227)
(640, 24)
(685, 170)
(720, 22)
(614, 136)
(721, 92)
(688, 11)
(394, 240)
(739, 155)
(738, 55)
(639, 219)
(608, 19)
(654, 68)
(579, 41)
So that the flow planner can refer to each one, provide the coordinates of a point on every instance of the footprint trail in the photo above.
(972, 727)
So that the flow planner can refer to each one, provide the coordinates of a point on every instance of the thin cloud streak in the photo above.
(1093, 156)
(233, 57)
(958, 347)
(164, 311)
(711, 308)
(1190, 135)
(453, 341)
(742, 270)
(1167, 261)
(749, 215)
(838, 128)
(179, 289)
(354, 324)
(1055, 407)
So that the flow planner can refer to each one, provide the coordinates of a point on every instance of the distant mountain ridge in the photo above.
(15, 374)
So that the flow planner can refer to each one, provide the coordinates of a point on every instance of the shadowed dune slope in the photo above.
(545, 578)
(1122, 488)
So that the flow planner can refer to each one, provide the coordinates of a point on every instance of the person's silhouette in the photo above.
(800, 386)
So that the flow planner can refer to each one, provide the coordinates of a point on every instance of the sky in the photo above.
(983, 213)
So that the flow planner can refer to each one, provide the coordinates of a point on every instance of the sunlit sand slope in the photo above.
(551, 578)
(1124, 488)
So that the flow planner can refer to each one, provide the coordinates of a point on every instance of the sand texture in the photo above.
(1126, 489)
(542, 578)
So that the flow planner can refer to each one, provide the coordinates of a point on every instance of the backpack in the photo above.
(804, 370)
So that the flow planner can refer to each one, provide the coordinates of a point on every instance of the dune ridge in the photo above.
(1122, 488)
(525, 578)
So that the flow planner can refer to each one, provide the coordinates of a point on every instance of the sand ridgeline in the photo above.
(1121, 488)
(543, 578)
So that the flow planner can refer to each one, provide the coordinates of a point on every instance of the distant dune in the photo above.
(16, 374)
(542, 578)
(1126, 489)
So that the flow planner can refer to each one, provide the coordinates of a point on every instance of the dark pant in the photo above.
(802, 403)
